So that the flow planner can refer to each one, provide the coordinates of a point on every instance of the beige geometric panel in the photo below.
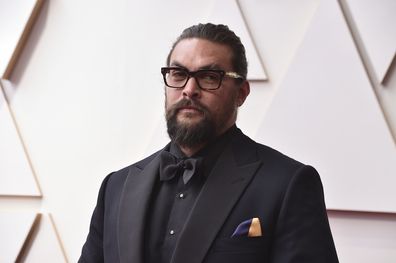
(16, 20)
(16, 176)
(364, 237)
(46, 245)
(325, 113)
(15, 228)
(375, 40)
(376, 22)
(228, 12)
(387, 98)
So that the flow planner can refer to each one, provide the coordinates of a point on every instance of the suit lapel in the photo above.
(133, 206)
(220, 193)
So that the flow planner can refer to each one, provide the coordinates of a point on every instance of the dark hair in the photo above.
(219, 34)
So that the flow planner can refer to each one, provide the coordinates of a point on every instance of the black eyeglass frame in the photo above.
(230, 74)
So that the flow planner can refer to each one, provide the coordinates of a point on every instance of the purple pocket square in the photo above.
(248, 228)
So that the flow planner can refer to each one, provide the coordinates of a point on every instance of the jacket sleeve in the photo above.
(302, 231)
(92, 251)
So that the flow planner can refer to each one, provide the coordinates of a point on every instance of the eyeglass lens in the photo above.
(207, 79)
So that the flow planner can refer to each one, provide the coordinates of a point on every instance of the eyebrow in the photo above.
(209, 66)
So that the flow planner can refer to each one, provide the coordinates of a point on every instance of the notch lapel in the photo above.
(133, 206)
(218, 196)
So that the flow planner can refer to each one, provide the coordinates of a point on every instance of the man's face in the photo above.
(198, 112)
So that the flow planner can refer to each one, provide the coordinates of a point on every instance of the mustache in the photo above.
(187, 103)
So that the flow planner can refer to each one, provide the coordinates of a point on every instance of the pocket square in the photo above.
(249, 228)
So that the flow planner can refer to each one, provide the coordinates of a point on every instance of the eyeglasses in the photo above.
(207, 79)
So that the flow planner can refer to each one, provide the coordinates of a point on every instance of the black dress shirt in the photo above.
(172, 201)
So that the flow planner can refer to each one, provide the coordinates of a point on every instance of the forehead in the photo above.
(196, 53)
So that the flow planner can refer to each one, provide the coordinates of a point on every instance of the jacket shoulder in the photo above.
(276, 169)
(264, 153)
(119, 177)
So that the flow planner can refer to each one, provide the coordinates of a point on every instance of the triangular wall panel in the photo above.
(15, 228)
(375, 21)
(16, 175)
(325, 113)
(16, 20)
(46, 246)
(228, 12)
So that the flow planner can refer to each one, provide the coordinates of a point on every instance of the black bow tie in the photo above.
(170, 166)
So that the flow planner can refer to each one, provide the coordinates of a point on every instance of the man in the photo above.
(212, 194)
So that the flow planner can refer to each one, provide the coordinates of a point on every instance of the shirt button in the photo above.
(181, 196)
(172, 232)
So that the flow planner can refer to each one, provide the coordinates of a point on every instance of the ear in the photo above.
(243, 92)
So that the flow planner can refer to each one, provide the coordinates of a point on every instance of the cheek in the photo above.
(226, 106)
(171, 96)
(221, 101)
(214, 104)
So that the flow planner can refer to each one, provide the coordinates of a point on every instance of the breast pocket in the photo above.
(239, 249)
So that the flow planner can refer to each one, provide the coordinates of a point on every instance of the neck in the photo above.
(190, 151)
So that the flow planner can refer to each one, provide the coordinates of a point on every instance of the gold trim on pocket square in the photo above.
(255, 228)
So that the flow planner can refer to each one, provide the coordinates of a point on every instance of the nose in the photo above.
(191, 89)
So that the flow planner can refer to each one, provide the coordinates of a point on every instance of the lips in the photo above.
(189, 111)
(189, 108)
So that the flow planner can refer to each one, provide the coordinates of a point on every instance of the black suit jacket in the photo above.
(249, 180)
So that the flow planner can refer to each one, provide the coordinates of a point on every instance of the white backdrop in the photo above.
(87, 99)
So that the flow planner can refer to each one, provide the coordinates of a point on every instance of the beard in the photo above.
(190, 134)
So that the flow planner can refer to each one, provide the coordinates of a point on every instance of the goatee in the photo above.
(190, 134)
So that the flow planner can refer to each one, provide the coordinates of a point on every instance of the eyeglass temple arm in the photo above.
(234, 75)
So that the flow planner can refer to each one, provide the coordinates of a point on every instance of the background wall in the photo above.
(86, 98)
